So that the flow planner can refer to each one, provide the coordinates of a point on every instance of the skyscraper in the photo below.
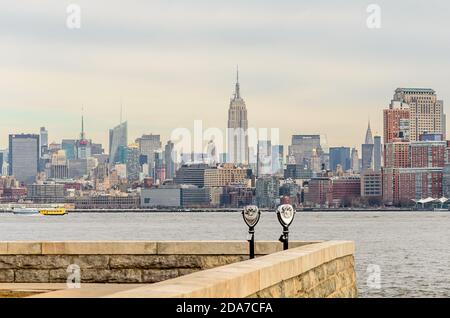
(43, 147)
(355, 160)
(302, 148)
(396, 122)
(148, 144)
(83, 145)
(426, 112)
(24, 157)
(118, 136)
(170, 157)
(237, 128)
(367, 150)
(377, 150)
(264, 158)
(340, 156)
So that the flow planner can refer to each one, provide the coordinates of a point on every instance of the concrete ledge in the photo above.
(142, 248)
(243, 279)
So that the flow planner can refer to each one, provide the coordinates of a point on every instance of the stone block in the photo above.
(32, 276)
(6, 276)
(155, 261)
(158, 275)
(90, 261)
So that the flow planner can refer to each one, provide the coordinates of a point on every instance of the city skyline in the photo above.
(167, 80)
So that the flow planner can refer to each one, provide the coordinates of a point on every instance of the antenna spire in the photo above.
(237, 93)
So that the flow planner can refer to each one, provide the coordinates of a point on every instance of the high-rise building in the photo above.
(367, 150)
(83, 145)
(377, 153)
(396, 122)
(191, 174)
(24, 157)
(225, 175)
(426, 112)
(302, 148)
(43, 141)
(59, 168)
(264, 158)
(148, 145)
(355, 160)
(118, 136)
(132, 162)
(69, 146)
(237, 129)
(278, 160)
(340, 156)
(170, 157)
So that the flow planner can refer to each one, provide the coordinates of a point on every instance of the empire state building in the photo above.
(237, 129)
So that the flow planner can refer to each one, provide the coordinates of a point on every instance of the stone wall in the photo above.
(180, 269)
(119, 262)
(335, 279)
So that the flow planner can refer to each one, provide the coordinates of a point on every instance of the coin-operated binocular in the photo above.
(285, 214)
(251, 215)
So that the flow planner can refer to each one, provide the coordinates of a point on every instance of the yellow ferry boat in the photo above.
(53, 211)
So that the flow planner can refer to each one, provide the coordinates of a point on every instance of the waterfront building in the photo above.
(24, 157)
(344, 189)
(105, 201)
(193, 196)
(237, 196)
(340, 156)
(371, 184)
(318, 192)
(426, 112)
(237, 129)
(46, 193)
(224, 175)
(164, 196)
(193, 174)
(118, 137)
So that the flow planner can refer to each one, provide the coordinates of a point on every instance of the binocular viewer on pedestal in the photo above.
(252, 214)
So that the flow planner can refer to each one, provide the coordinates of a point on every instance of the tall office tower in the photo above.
(340, 156)
(43, 147)
(264, 158)
(237, 129)
(302, 147)
(69, 146)
(1, 163)
(24, 157)
(83, 145)
(367, 150)
(148, 144)
(426, 112)
(278, 160)
(355, 160)
(396, 122)
(170, 157)
(132, 162)
(377, 153)
(59, 168)
(118, 136)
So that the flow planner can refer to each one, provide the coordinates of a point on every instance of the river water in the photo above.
(398, 254)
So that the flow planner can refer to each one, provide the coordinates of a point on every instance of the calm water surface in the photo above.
(412, 249)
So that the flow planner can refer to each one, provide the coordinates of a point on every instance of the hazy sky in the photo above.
(305, 66)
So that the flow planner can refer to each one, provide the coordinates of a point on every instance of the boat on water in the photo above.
(25, 211)
(53, 211)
